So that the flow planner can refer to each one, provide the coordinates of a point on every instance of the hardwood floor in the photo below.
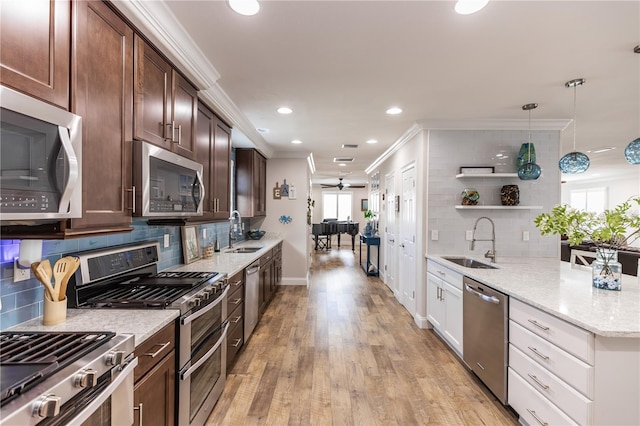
(345, 352)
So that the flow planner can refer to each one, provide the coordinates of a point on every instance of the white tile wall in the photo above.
(450, 149)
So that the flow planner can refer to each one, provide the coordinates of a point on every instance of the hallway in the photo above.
(345, 352)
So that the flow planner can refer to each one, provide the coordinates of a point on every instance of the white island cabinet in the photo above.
(444, 303)
(574, 351)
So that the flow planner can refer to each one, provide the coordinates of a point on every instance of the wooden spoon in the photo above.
(42, 275)
(72, 264)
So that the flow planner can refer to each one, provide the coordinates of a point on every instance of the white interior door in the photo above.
(390, 252)
(407, 247)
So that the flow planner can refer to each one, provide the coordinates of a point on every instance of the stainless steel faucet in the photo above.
(235, 221)
(490, 254)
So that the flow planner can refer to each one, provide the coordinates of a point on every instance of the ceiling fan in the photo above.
(341, 185)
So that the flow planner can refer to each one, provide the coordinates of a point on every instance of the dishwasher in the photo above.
(251, 299)
(485, 335)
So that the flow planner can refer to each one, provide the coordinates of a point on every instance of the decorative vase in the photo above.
(367, 229)
(524, 156)
(470, 197)
(510, 195)
(606, 270)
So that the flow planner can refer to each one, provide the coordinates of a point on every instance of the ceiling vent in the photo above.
(343, 159)
(349, 145)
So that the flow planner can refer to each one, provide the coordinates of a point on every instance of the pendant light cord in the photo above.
(574, 117)
(529, 137)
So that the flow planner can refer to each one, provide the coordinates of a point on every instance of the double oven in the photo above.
(126, 277)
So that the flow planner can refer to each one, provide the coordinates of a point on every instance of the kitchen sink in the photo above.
(467, 262)
(244, 250)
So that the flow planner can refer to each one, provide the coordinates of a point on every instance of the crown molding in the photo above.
(495, 124)
(406, 137)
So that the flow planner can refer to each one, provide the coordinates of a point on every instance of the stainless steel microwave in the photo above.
(166, 185)
(40, 160)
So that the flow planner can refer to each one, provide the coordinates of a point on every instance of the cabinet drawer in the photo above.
(234, 344)
(572, 402)
(535, 409)
(234, 300)
(447, 274)
(567, 336)
(152, 350)
(236, 317)
(564, 365)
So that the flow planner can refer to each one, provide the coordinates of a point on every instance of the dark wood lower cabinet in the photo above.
(154, 395)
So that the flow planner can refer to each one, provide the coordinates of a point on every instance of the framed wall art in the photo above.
(190, 244)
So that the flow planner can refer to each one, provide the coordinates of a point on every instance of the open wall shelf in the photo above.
(486, 175)
(460, 207)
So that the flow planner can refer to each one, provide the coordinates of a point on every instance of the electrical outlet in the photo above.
(166, 240)
(469, 235)
(525, 235)
(20, 274)
(434, 235)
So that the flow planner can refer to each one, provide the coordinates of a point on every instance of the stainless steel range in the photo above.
(127, 277)
(51, 378)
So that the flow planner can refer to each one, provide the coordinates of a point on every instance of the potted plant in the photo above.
(608, 231)
(368, 230)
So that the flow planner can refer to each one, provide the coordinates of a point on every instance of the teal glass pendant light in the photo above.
(632, 152)
(527, 167)
(574, 162)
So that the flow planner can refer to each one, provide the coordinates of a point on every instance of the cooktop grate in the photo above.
(137, 296)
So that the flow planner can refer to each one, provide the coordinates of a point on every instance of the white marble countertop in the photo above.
(141, 323)
(231, 263)
(554, 287)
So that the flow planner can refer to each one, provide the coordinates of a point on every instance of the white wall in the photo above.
(295, 259)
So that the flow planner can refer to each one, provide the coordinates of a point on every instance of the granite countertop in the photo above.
(231, 263)
(141, 323)
(554, 287)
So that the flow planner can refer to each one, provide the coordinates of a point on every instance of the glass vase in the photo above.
(606, 270)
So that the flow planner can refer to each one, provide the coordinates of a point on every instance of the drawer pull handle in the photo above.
(442, 273)
(237, 301)
(139, 410)
(533, 413)
(163, 346)
(236, 319)
(237, 283)
(535, 351)
(535, 379)
(237, 342)
(534, 322)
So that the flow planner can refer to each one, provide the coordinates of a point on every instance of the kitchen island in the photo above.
(573, 350)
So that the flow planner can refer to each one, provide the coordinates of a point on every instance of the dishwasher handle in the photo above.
(253, 268)
(490, 299)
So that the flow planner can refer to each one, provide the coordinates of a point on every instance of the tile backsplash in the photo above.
(23, 300)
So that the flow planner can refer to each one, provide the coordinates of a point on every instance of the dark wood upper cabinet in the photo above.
(102, 93)
(251, 176)
(35, 48)
(213, 151)
(165, 107)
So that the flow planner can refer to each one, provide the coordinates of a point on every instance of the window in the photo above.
(590, 199)
(337, 204)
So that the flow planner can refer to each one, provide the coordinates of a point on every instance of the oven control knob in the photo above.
(115, 358)
(195, 301)
(46, 406)
(205, 294)
(86, 379)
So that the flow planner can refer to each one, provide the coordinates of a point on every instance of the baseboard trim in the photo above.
(294, 281)
(421, 321)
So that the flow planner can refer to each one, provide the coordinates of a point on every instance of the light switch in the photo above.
(469, 235)
(166, 240)
(434, 235)
(525, 235)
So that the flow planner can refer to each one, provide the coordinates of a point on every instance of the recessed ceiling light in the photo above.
(467, 7)
(394, 111)
(245, 7)
(342, 165)
(262, 130)
(285, 110)
(296, 141)
(372, 141)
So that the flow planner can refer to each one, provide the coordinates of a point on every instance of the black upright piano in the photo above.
(322, 232)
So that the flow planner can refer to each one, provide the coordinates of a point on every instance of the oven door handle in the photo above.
(105, 394)
(196, 315)
(187, 373)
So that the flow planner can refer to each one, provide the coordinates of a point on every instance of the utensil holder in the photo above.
(54, 312)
